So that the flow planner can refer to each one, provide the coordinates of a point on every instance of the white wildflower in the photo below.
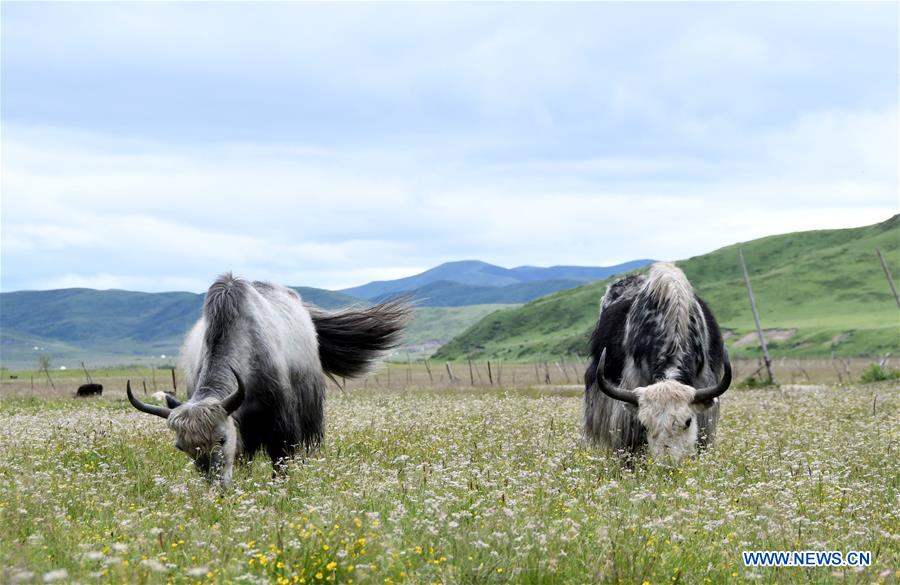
(57, 575)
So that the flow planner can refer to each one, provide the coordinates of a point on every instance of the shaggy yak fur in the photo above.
(664, 364)
(255, 365)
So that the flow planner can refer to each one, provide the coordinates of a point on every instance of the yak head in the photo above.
(204, 430)
(667, 410)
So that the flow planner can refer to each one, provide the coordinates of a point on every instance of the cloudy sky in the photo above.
(154, 146)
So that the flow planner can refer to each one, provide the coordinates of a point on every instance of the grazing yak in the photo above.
(658, 365)
(90, 389)
(255, 366)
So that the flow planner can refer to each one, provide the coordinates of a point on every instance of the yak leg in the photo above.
(281, 454)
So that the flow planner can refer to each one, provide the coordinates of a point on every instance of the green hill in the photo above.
(431, 327)
(108, 325)
(825, 290)
(116, 326)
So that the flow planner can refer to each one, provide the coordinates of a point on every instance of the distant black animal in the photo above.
(255, 366)
(89, 390)
(658, 365)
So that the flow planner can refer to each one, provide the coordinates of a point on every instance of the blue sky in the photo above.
(154, 146)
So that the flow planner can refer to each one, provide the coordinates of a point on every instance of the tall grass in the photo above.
(456, 486)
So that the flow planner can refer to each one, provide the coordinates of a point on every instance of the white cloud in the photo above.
(338, 219)
(329, 145)
(122, 281)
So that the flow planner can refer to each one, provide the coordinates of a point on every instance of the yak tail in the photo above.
(351, 340)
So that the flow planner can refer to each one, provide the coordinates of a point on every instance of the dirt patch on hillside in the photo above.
(840, 338)
(771, 336)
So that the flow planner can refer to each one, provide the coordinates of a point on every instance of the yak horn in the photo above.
(708, 394)
(171, 401)
(159, 411)
(236, 398)
(610, 390)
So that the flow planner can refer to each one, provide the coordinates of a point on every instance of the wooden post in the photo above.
(450, 373)
(86, 375)
(562, 371)
(174, 386)
(762, 338)
(430, 377)
(887, 273)
(144, 382)
(490, 376)
(471, 375)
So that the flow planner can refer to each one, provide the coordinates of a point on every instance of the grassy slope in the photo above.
(444, 323)
(826, 284)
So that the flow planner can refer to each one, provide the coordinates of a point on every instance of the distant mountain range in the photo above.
(112, 325)
(469, 282)
(455, 294)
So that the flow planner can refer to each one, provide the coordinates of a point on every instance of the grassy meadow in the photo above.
(451, 485)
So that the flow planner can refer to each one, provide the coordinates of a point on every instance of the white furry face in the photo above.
(665, 411)
(207, 434)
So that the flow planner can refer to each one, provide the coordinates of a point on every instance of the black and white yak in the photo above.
(255, 366)
(658, 365)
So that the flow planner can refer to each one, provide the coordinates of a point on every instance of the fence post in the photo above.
(887, 273)
(86, 374)
(762, 338)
